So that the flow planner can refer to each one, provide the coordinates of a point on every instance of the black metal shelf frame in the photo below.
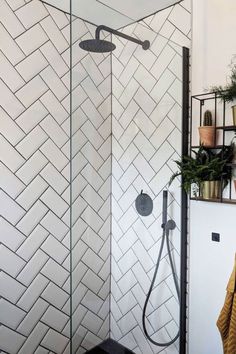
(202, 98)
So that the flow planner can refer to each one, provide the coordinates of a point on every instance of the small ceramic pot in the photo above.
(207, 136)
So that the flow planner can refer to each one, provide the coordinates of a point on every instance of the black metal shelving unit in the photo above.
(219, 106)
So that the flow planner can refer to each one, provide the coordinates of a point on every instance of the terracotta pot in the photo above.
(210, 189)
(234, 114)
(207, 136)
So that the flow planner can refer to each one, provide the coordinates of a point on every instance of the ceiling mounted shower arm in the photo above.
(145, 44)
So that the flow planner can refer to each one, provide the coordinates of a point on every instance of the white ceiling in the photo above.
(112, 13)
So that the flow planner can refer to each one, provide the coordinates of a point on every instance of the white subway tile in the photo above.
(144, 168)
(30, 144)
(9, 101)
(10, 236)
(92, 69)
(33, 292)
(10, 315)
(54, 107)
(54, 59)
(32, 217)
(54, 155)
(54, 34)
(10, 340)
(9, 209)
(144, 146)
(32, 116)
(55, 341)
(9, 75)
(54, 83)
(92, 281)
(54, 131)
(32, 39)
(58, 16)
(30, 93)
(49, 295)
(15, 4)
(92, 260)
(9, 182)
(55, 249)
(55, 319)
(10, 262)
(10, 288)
(32, 167)
(31, 13)
(9, 128)
(55, 272)
(92, 91)
(28, 274)
(54, 202)
(9, 47)
(92, 113)
(34, 339)
(54, 225)
(31, 65)
(32, 243)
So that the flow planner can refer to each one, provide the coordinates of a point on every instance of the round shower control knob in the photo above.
(144, 204)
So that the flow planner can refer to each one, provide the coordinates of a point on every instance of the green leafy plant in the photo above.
(227, 92)
(206, 165)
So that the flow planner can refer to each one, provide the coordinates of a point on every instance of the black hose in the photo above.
(166, 232)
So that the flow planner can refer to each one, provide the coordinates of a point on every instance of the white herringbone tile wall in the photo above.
(91, 193)
(146, 138)
(34, 169)
(136, 147)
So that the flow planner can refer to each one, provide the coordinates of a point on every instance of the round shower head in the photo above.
(97, 46)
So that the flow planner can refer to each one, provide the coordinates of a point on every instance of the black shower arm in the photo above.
(145, 44)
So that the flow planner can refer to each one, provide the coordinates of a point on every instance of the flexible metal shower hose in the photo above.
(165, 234)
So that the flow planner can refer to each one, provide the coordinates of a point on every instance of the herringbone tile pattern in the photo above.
(91, 194)
(146, 138)
(34, 168)
(137, 147)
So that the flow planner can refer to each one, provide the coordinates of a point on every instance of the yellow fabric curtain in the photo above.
(227, 320)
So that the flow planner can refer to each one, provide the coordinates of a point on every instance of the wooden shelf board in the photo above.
(224, 200)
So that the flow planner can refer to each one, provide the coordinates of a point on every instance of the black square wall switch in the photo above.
(215, 237)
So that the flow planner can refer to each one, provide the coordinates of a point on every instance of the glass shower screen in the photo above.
(126, 126)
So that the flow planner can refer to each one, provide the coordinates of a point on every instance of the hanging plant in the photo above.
(228, 92)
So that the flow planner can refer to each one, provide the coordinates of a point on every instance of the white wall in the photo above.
(214, 28)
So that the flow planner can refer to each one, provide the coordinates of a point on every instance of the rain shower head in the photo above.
(98, 45)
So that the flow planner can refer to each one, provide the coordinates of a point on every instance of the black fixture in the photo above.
(184, 205)
(98, 45)
(144, 204)
(167, 225)
(198, 104)
(170, 225)
(110, 346)
(215, 237)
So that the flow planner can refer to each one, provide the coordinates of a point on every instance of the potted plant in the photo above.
(228, 92)
(207, 173)
(207, 132)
